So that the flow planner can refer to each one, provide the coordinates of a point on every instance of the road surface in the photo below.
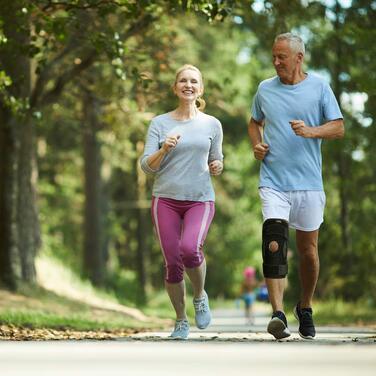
(228, 347)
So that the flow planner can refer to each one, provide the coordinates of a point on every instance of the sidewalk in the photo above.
(230, 325)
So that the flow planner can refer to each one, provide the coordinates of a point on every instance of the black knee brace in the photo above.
(273, 255)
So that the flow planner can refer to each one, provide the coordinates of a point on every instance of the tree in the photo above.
(338, 37)
(44, 38)
(93, 229)
(19, 236)
(351, 65)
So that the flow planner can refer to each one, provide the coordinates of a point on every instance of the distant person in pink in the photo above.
(248, 286)
(183, 149)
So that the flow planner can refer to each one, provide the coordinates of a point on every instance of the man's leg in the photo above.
(276, 289)
(309, 271)
(309, 265)
(275, 210)
(275, 240)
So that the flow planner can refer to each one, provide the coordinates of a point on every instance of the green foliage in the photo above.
(336, 48)
(348, 173)
(39, 308)
(125, 53)
(35, 319)
(234, 239)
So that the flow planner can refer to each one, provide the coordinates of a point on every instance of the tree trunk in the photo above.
(28, 224)
(10, 268)
(94, 258)
(19, 227)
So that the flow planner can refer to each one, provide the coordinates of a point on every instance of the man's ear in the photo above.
(300, 56)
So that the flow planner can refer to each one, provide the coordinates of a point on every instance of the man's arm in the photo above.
(330, 130)
(254, 132)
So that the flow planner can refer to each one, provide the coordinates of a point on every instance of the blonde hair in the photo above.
(201, 102)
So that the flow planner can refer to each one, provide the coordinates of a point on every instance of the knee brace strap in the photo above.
(275, 235)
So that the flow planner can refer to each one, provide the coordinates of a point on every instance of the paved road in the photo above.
(228, 348)
(229, 324)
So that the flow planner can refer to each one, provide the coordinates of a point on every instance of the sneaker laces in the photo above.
(200, 305)
(306, 318)
(181, 324)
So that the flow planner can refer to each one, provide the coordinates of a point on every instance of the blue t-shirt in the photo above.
(184, 172)
(293, 162)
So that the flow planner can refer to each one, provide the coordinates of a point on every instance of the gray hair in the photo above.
(296, 43)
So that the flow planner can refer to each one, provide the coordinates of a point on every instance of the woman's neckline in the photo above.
(169, 114)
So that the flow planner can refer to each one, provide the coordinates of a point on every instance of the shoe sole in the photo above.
(205, 326)
(301, 335)
(278, 329)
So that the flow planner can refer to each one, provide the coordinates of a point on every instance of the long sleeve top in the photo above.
(184, 171)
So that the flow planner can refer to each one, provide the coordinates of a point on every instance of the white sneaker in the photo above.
(181, 329)
(202, 311)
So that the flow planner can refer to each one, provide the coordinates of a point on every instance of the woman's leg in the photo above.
(196, 222)
(167, 223)
(176, 293)
(197, 277)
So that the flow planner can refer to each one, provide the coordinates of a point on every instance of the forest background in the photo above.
(79, 83)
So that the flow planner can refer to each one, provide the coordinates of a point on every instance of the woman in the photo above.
(182, 149)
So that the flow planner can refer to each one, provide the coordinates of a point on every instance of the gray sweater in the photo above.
(184, 171)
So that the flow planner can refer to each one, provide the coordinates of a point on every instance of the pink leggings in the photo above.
(181, 228)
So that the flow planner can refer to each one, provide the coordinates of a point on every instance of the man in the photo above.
(293, 112)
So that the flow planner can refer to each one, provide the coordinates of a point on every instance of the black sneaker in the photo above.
(306, 326)
(278, 326)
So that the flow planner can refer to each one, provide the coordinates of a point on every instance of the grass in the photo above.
(39, 308)
(76, 305)
(36, 320)
(62, 301)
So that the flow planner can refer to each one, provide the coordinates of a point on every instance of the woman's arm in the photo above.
(216, 167)
(154, 154)
(215, 152)
(154, 161)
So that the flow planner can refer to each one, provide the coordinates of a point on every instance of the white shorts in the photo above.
(304, 210)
